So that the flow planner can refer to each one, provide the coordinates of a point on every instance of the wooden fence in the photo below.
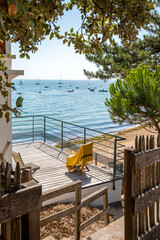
(19, 204)
(79, 203)
(143, 143)
(141, 194)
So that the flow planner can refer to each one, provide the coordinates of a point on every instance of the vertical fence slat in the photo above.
(158, 140)
(146, 188)
(136, 142)
(141, 214)
(147, 143)
(143, 143)
(17, 177)
(140, 144)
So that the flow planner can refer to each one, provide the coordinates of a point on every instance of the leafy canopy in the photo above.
(101, 20)
(116, 60)
(136, 100)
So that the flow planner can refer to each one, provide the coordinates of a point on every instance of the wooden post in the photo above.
(30, 221)
(105, 206)
(77, 213)
(16, 223)
(26, 175)
(130, 191)
(6, 227)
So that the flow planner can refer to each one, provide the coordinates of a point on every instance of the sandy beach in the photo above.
(131, 133)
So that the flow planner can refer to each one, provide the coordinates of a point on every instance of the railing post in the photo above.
(114, 162)
(33, 128)
(44, 129)
(77, 214)
(84, 135)
(62, 135)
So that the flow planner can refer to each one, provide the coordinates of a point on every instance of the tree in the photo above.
(29, 21)
(136, 100)
(116, 60)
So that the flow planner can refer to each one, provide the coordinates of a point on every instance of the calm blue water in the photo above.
(81, 106)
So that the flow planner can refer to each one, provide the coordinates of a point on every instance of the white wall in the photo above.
(6, 133)
(6, 128)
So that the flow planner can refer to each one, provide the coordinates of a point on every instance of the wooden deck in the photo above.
(53, 172)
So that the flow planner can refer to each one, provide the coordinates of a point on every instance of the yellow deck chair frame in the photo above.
(79, 160)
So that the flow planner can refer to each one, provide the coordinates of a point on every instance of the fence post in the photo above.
(130, 191)
(31, 220)
(114, 162)
(33, 128)
(84, 135)
(44, 139)
(61, 135)
(77, 213)
(105, 206)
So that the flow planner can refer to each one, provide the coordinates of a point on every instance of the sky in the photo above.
(53, 60)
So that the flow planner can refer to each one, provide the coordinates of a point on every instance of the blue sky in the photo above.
(53, 59)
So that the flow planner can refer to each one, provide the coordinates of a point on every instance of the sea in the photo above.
(68, 100)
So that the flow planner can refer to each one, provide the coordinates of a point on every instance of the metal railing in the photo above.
(107, 148)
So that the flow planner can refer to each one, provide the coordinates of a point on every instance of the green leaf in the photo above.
(27, 56)
(7, 117)
(71, 30)
(22, 55)
(51, 35)
(19, 102)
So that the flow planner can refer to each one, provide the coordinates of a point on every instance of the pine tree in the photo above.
(136, 100)
(116, 60)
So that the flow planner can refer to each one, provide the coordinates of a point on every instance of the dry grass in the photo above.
(64, 227)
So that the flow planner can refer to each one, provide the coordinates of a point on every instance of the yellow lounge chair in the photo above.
(79, 159)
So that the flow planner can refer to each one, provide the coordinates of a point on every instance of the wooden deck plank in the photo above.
(53, 171)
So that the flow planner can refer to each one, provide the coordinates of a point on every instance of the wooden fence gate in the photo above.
(142, 194)
(20, 202)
